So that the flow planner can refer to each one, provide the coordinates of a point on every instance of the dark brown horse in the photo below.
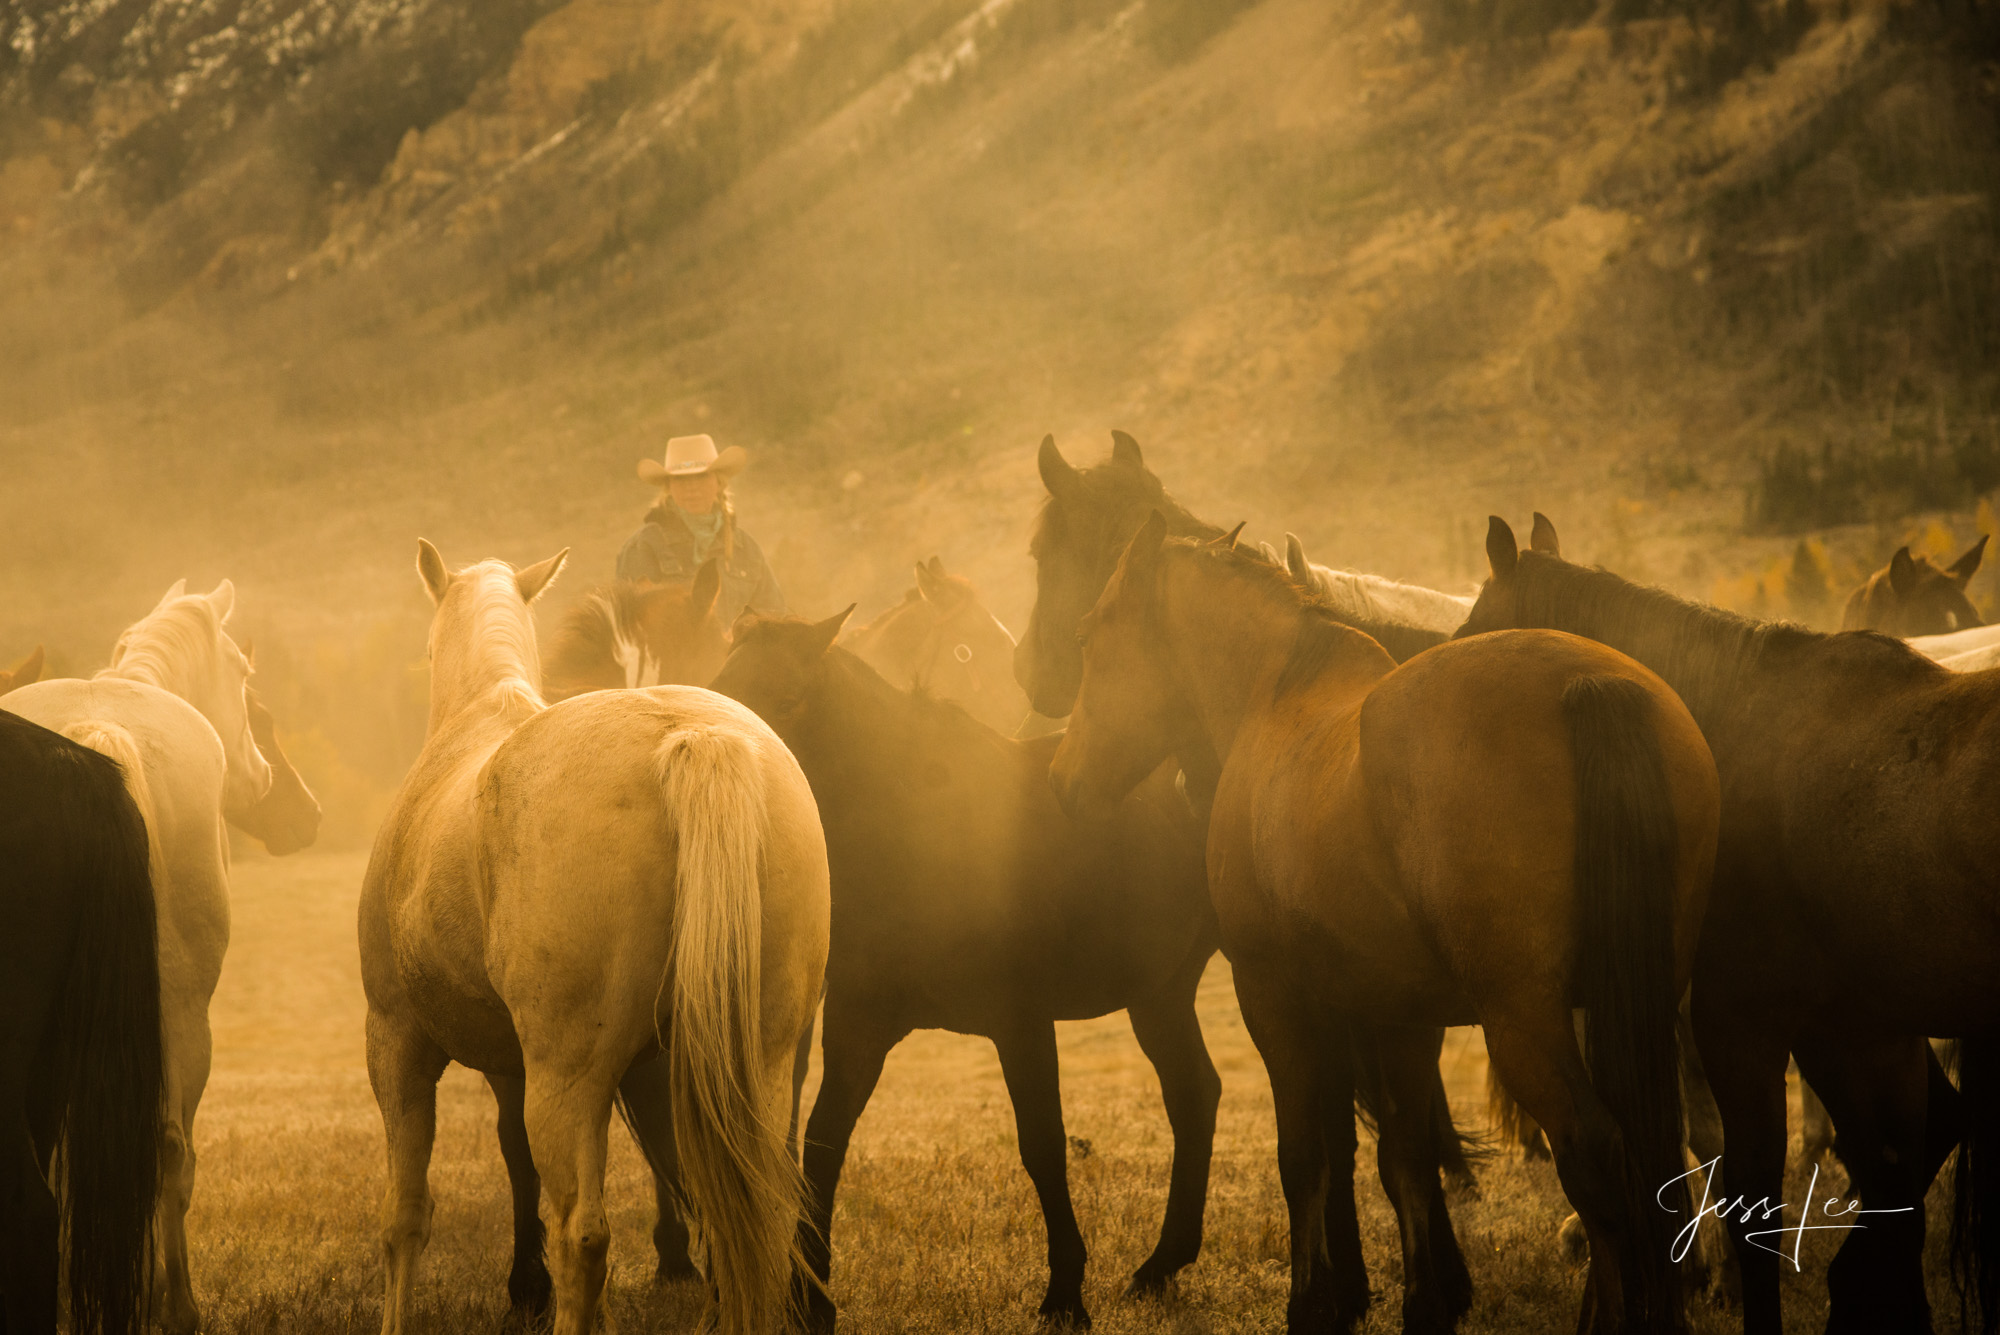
(627, 635)
(1912, 595)
(964, 899)
(1853, 912)
(1491, 833)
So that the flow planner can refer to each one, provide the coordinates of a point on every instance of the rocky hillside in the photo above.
(287, 282)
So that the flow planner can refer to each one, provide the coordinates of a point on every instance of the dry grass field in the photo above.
(937, 1229)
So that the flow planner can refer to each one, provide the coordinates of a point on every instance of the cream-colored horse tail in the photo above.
(108, 739)
(742, 1186)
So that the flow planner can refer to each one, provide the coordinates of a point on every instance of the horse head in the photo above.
(1913, 595)
(482, 640)
(286, 819)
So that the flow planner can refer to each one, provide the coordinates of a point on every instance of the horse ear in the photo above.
(1295, 559)
(430, 566)
(1502, 552)
(1227, 540)
(1903, 573)
(222, 598)
(744, 620)
(178, 589)
(1057, 475)
(927, 583)
(1965, 567)
(936, 564)
(539, 576)
(1125, 450)
(1270, 553)
(707, 587)
(1543, 539)
(28, 671)
(824, 633)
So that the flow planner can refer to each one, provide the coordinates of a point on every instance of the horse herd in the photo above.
(627, 875)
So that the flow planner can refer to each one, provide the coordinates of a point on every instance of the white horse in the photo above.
(171, 709)
(1376, 597)
(559, 895)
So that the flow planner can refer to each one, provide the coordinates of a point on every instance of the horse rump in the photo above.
(105, 1038)
(1627, 843)
(1975, 1212)
(742, 1186)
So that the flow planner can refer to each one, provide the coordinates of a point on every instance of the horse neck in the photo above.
(870, 730)
(891, 642)
(156, 657)
(499, 674)
(1229, 639)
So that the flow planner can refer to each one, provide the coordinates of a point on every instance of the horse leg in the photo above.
(30, 1264)
(1312, 1090)
(528, 1278)
(1746, 1072)
(568, 1113)
(649, 1113)
(1437, 1288)
(1816, 1126)
(186, 1048)
(1034, 1084)
(1714, 1254)
(1536, 1054)
(852, 1049)
(1170, 1036)
(1450, 1147)
(801, 1067)
(403, 1067)
(1876, 1091)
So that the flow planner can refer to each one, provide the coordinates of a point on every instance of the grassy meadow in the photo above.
(937, 1228)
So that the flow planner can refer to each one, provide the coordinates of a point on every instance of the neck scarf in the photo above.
(707, 530)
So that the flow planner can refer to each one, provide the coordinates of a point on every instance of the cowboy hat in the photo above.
(691, 456)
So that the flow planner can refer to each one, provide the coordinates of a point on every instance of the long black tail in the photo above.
(1975, 1214)
(106, 1042)
(1626, 845)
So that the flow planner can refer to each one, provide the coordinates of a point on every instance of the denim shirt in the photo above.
(662, 551)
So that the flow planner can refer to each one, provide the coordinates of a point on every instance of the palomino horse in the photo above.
(627, 635)
(171, 708)
(557, 897)
(1493, 832)
(1851, 914)
(943, 641)
(26, 672)
(1913, 595)
(79, 1037)
(965, 899)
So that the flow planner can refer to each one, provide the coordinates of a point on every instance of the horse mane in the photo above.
(1324, 628)
(164, 647)
(1378, 598)
(591, 632)
(1705, 653)
(506, 642)
(916, 705)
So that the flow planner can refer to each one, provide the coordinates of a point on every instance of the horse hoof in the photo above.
(1575, 1242)
(1462, 1187)
(1059, 1316)
(1150, 1285)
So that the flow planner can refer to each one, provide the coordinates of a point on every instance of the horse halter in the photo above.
(933, 645)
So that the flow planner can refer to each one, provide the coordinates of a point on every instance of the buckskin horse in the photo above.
(1495, 831)
(964, 899)
(942, 640)
(620, 897)
(1851, 915)
(79, 1037)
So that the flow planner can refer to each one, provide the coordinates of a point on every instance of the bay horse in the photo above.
(626, 635)
(1490, 833)
(1090, 514)
(618, 898)
(1851, 915)
(1913, 595)
(942, 640)
(25, 673)
(80, 1064)
(172, 709)
(965, 899)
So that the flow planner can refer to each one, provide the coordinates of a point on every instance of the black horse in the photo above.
(79, 1038)
(964, 899)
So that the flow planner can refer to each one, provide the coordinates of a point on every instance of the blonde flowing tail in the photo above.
(737, 1173)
